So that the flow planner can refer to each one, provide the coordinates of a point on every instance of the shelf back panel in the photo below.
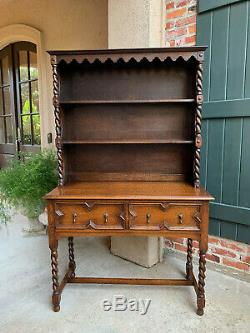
(128, 162)
(128, 122)
(127, 81)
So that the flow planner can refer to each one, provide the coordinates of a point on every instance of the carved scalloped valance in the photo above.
(128, 55)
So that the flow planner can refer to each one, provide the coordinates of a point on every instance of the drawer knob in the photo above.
(148, 216)
(106, 217)
(74, 215)
(180, 217)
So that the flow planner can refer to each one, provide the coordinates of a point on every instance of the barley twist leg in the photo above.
(189, 263)
(201, 284)
(72, 264)
(56, 296)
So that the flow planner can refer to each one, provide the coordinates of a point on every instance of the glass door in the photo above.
(19, 101)
(7, 107)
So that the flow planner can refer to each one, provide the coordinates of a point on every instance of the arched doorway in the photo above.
(19, 100)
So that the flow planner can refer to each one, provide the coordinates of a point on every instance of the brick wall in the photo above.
(181, 31)
(221, 251)
(180, 22)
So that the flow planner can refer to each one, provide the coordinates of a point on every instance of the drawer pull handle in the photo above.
(74, 217)
(180, 216)
(106, 217)
(148, 216)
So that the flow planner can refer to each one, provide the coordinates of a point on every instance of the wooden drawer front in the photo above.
(90, 215)
(164, 216)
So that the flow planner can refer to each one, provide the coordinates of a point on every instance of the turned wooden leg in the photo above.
(72, 264)
(56, 296)
(201, 284)
(189, 264)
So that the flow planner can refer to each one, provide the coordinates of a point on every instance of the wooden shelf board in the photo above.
(157, 141)
(137, 101)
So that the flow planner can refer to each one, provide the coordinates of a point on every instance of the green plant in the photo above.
(26, 181)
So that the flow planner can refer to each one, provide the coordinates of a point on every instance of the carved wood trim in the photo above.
(89, 205)
(128, 55)
(198, 117)
(57, 112)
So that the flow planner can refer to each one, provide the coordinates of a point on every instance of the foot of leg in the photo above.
(189, 264)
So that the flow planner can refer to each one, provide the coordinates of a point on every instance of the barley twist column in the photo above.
(189, 264)
(55, 284)
(201, 284)
(72, 264)
(57, 113)
(198, 117)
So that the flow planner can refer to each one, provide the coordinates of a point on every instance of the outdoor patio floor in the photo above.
(25, 290)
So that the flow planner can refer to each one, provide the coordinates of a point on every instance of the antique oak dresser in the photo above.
(128, 139)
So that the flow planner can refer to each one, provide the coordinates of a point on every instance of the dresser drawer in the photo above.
(90, 215)
(164, 216)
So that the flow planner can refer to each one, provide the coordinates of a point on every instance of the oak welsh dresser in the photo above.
(128, 139)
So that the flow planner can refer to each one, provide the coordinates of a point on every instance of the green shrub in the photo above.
(26, 181)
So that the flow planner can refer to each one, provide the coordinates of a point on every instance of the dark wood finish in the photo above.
(128, 126)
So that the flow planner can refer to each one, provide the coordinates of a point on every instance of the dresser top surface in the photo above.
(129, 191)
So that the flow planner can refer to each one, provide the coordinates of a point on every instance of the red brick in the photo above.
(190, 39)
(170, 5)
(192, 29)
(233, 245)
(179, 240)
(180, 42)
(169, 25)
(185, 21)
(172, 43)
(246, 259)
(176, 13)
(180, 247)
(213, 240)
(235, 264)
(223, 252)
(176, 32)
(180, 3)
(195, 244)
(212, 257)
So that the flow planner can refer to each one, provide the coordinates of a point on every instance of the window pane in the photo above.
(2, 137)
(1, 102)
(5, 70)
(33, 66)
(6, 92)
(9, 129)
(26, 130)
(36, 129)
(25, 100)
(35, 101)
(23, 65)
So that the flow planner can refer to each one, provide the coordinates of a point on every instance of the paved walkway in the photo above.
(25, 288)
